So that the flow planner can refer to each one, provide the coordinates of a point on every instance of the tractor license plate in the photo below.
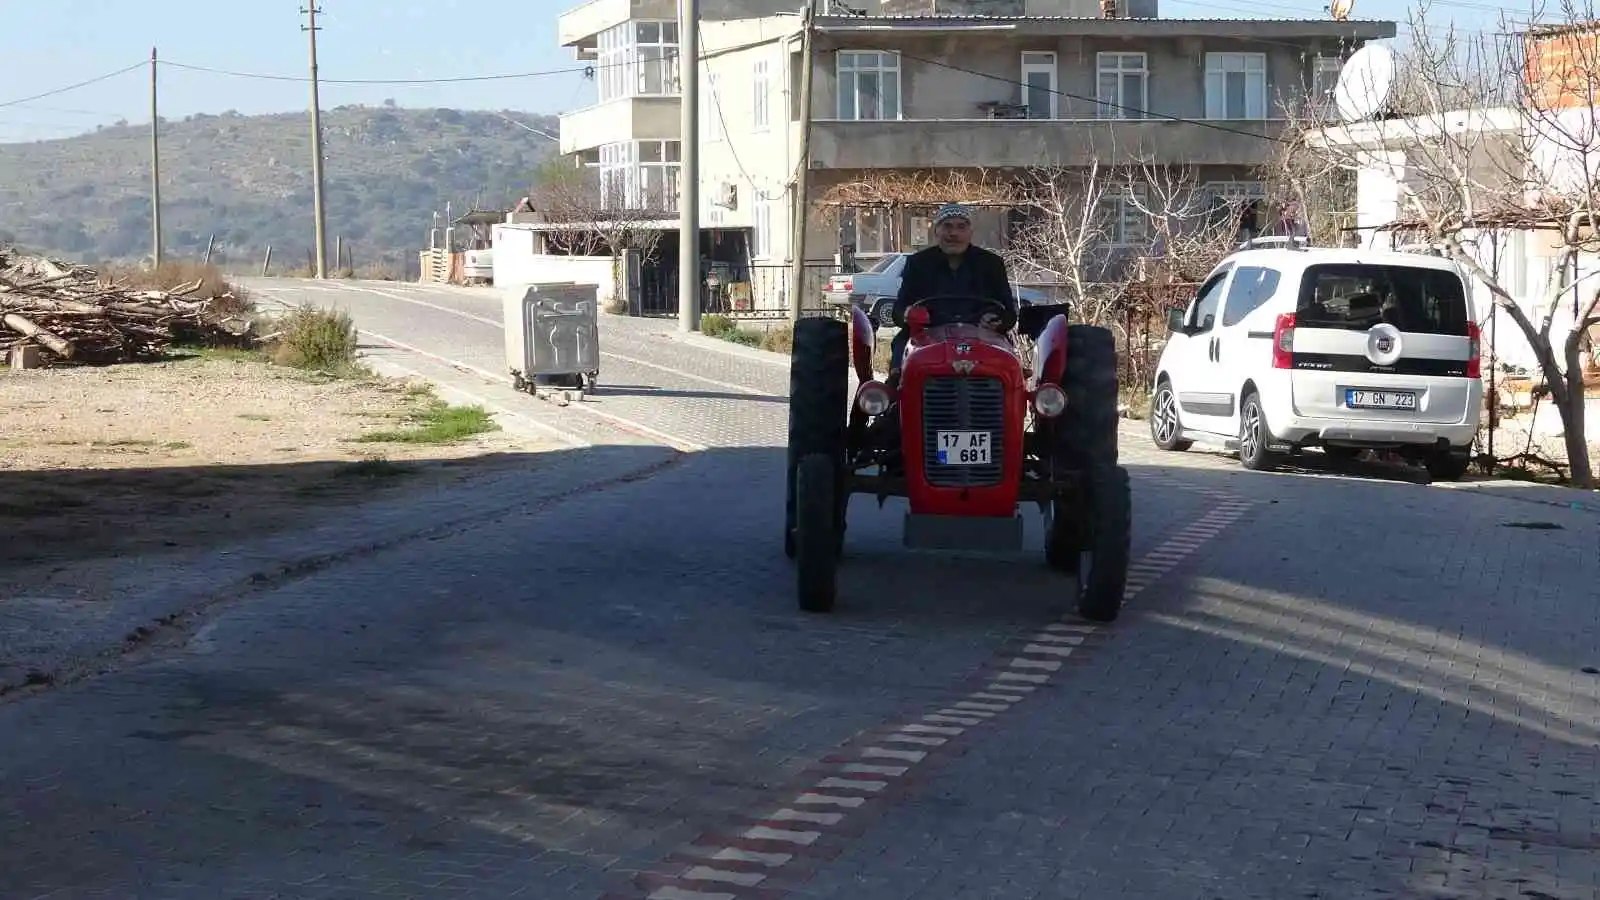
(1361, 399)
(965, 448)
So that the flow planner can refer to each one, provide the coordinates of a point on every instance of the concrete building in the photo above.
(968, 90)
(956, 90)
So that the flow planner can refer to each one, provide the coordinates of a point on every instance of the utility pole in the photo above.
(802, 173)
(689, 194)
(155, 169)
(311, 11)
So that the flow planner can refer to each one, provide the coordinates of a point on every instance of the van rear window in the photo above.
(1357, 296)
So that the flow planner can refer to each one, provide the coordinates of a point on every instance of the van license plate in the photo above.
(964, 448)
(1356, 399)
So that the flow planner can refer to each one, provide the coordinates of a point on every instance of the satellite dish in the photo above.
(1365, 82)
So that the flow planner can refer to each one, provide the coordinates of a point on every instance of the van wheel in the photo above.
(1166, 429)
(1448, 466)
(1254, 438)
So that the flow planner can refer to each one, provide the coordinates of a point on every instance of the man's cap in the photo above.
(952, 211)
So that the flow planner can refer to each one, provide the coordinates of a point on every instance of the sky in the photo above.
(51, 45)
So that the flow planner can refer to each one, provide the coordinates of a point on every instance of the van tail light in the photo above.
(1474, 349)
(1283, 342)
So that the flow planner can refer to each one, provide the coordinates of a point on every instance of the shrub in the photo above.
(312, 338)
(779, 340)
(717, 326)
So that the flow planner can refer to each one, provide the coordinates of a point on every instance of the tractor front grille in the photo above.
(962, 404)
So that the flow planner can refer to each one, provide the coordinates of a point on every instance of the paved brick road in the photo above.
(1329, 687)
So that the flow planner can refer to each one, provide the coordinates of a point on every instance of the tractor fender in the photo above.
(862, 338)
(1052, 351)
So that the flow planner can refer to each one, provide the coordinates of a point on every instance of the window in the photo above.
(1251, 287)
(865, 229)
(1356, 296)
(712, 126)
(1123, 89)
(1126, 222)
(1204, 315)
(761, 89)
(761, 230)
(659, 165)
(868, 85)
(1236, 86)
(1039, 85)
(638, 59)
(1241, 201)
(1324, 77)
(640, 175)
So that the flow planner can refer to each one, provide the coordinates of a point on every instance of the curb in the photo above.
(729, 348)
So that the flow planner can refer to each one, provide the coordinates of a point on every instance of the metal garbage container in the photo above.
(553, 335)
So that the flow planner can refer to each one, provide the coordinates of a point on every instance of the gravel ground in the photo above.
(185, 454)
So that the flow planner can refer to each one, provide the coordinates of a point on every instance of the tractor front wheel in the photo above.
(1108, 502)
(816, 531)
(819, 402)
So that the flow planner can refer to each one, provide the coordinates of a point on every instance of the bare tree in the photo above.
(1065, 235)
(604, 222)
(1187, 232)
(1480, 148)
(601, 222)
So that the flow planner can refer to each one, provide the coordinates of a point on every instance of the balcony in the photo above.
(617, 121)
(580, 26)
(1020, 143)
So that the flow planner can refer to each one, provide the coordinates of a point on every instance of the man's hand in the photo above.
(990, 321)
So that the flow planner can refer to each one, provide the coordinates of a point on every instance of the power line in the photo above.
(459, 79)
(72, 87)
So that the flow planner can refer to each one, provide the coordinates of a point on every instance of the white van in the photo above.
(1339, 349)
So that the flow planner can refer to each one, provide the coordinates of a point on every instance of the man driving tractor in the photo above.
(953, 266)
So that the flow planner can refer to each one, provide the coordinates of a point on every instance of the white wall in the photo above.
(758, 161)
(516, 263)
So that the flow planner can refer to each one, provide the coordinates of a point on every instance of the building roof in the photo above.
(1353, 28)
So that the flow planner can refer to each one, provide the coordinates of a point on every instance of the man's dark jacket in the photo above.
(982, 273)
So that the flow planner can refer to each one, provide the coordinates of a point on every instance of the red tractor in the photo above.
(965, 439)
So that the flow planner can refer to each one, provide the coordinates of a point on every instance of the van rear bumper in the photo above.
(1305, 431)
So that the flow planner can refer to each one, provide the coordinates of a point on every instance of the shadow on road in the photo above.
(65, 515)
(602, 680)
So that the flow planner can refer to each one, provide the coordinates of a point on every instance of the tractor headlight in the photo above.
(1050, 400)
(873, 399)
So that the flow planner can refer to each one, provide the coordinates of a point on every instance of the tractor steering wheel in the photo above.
(956, 309)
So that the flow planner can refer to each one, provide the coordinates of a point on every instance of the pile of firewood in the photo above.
(75, 316)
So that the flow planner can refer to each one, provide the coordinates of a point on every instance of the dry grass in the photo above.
(215, 447)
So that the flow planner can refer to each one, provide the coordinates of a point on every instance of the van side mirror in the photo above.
(1175, 320)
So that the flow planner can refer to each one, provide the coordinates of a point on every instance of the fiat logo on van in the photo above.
(1385, 344)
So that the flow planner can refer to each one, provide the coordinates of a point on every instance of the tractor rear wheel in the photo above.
(1109, 519)
(1086, 437)
(816, 532)
(1083, 439)
(819, 400)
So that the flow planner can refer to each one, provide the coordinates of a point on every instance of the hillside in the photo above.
(247, 179)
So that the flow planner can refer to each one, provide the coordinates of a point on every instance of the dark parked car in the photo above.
(874, 290)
